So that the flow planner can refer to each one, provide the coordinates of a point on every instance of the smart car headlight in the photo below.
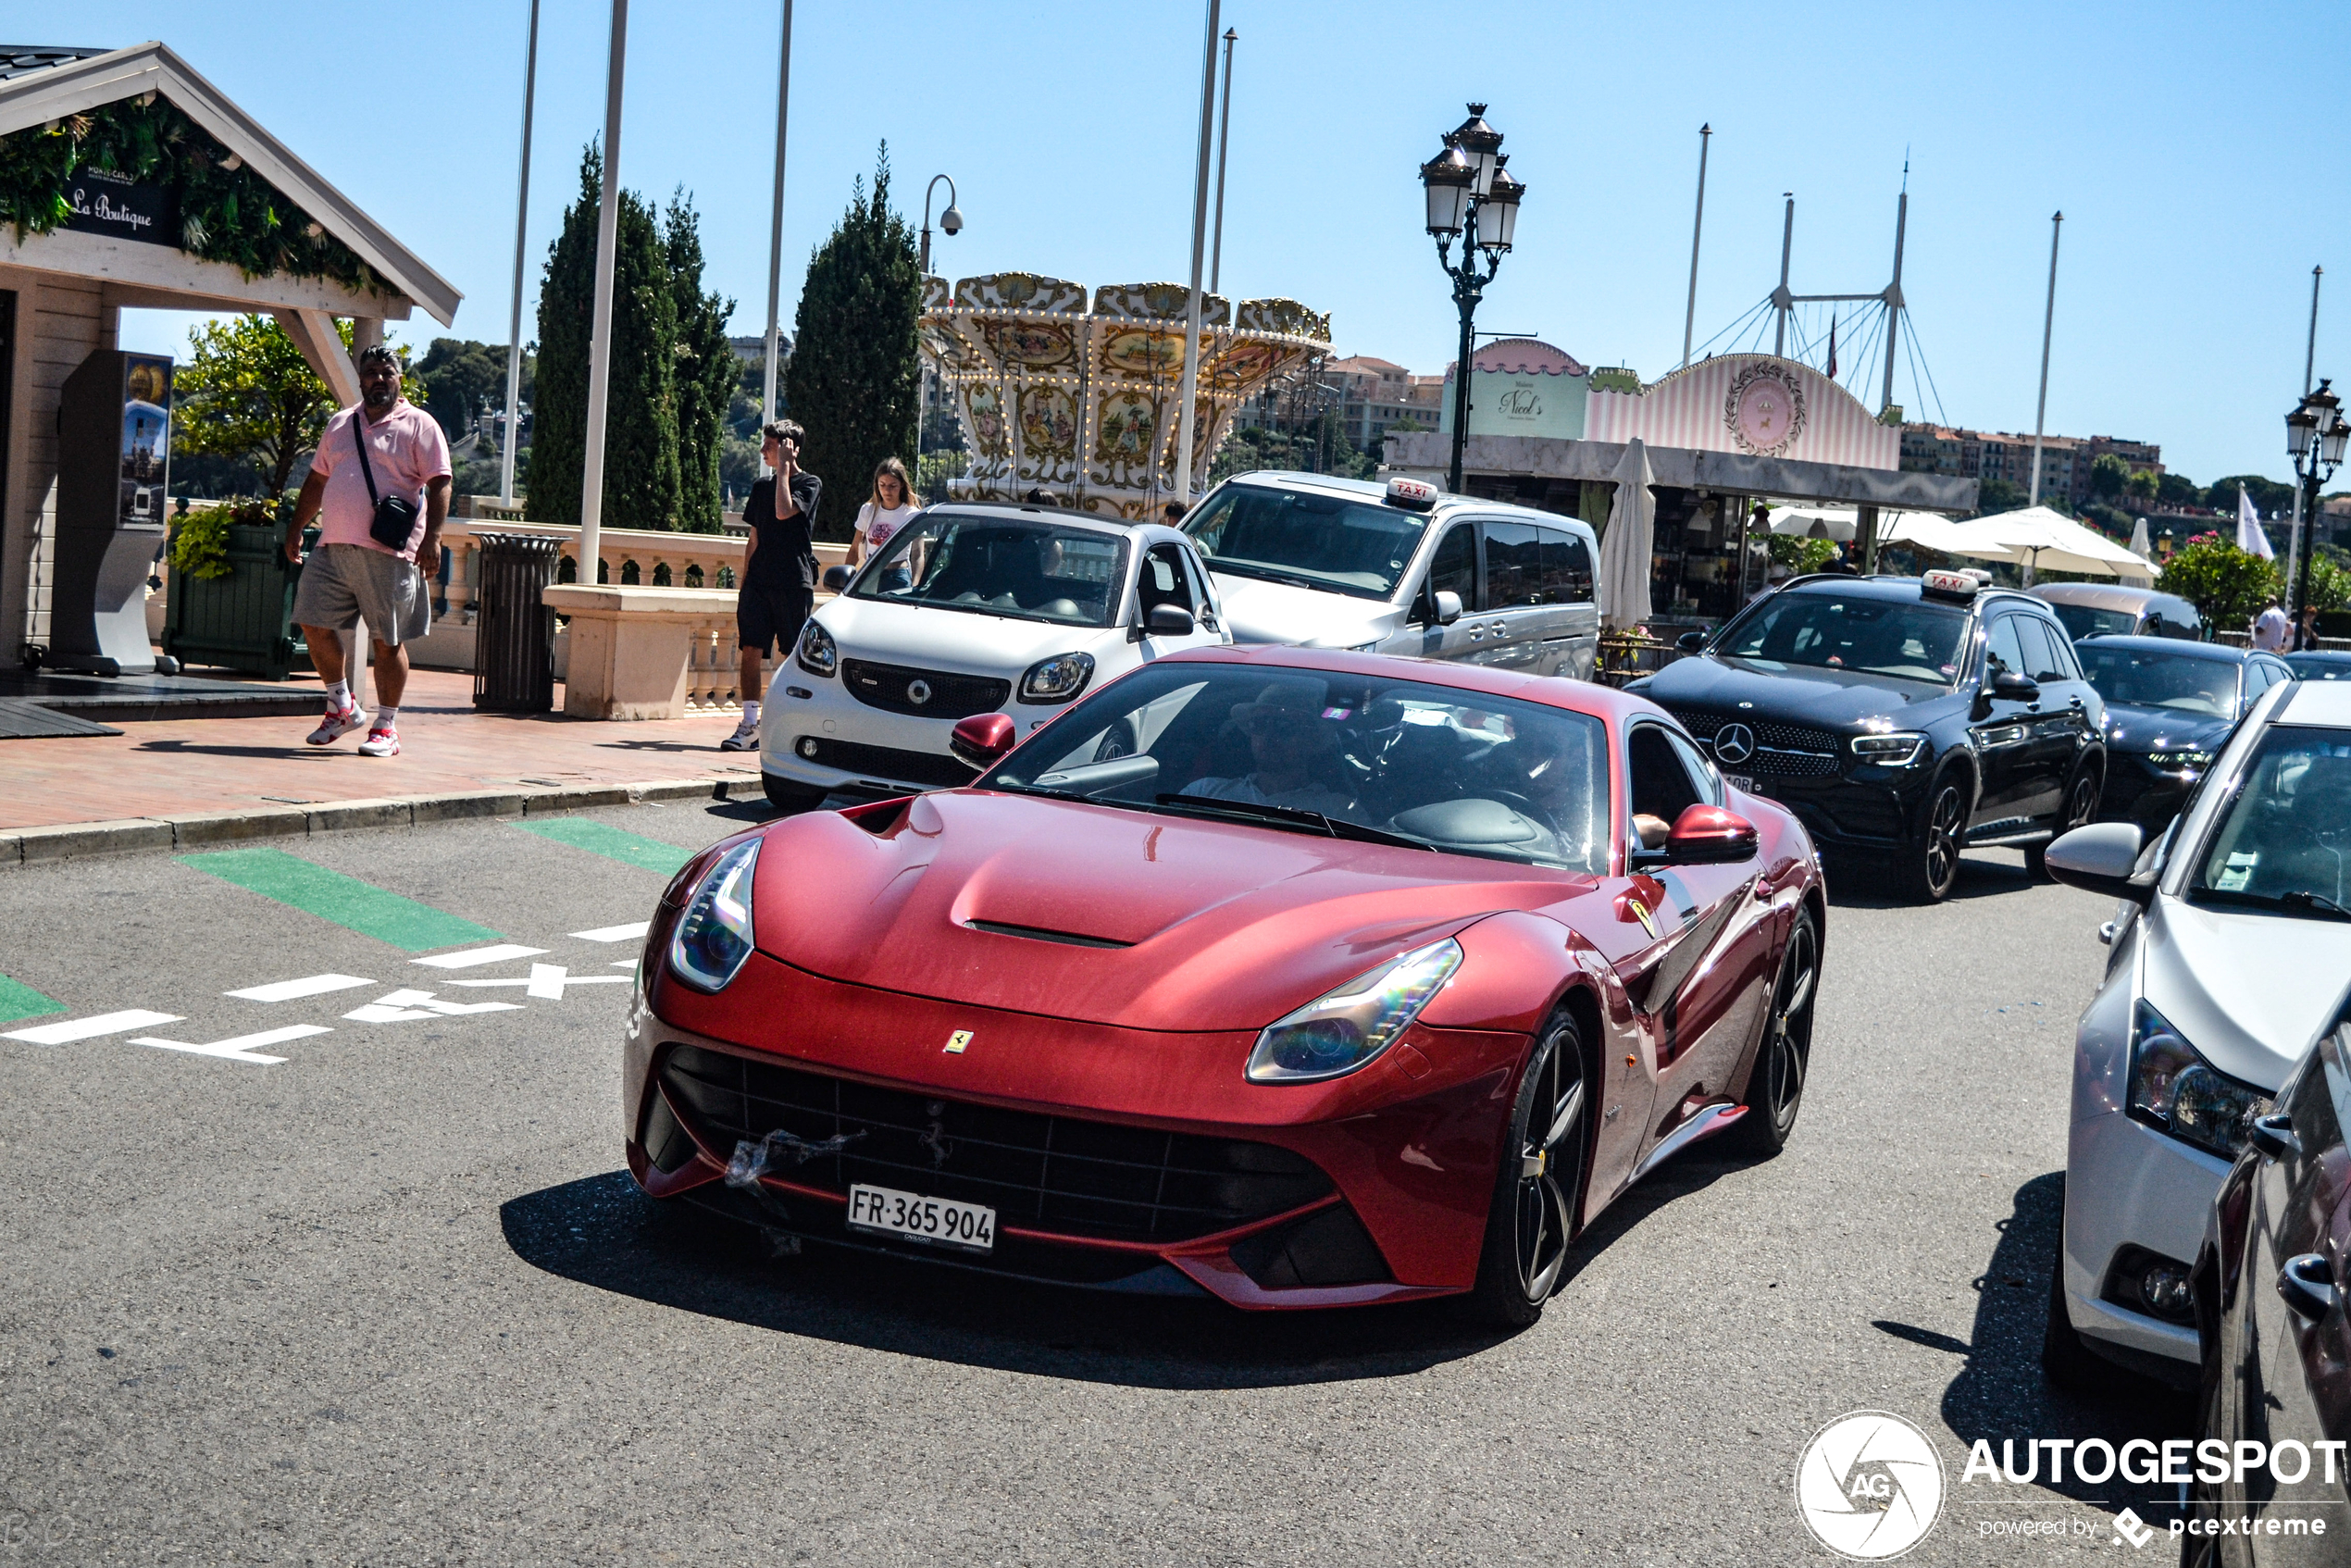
(1898, 749)
(2175, 1090)
(1056, 679)
(1344, 1029)
(713, 935)
(817, 653)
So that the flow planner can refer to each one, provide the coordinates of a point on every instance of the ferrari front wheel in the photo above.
(1538, 1193)
(1775, 1086)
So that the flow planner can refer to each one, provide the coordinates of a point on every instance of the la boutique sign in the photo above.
(101, 202)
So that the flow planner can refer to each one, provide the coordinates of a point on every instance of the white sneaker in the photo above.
(744, 738)
(336, 725)
(383, 741)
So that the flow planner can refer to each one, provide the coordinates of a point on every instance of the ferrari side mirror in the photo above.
(980, 742)
(1704, 835)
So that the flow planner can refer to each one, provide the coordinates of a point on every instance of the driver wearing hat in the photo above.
(1289, 744)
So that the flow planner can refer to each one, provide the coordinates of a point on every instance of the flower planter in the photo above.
(242, 621)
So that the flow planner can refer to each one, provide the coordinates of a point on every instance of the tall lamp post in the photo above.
(950, 220)
(2316, 434)
(1471, 197)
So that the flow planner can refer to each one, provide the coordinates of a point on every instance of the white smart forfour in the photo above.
(973, 608)
(2230, 951)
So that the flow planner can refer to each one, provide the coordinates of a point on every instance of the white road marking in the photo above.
(243, 1048)
(468, 959)
(547, 981)
(312, 985)
(624, 964)
(90, 1028)
(615, 933)
(400, 1005)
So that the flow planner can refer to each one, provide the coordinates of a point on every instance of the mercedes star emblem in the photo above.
(918, 692)
(1733, 743)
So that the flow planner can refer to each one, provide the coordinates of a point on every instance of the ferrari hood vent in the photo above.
(1038, 934)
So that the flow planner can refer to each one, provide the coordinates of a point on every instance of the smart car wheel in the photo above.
(1775, 1089)
(1540, 1190)
(785, 794)
(2081, 805)
(1930, 867)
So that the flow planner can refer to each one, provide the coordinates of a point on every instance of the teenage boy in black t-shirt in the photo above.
(778, 585)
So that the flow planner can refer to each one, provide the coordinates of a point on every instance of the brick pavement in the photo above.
(173, 765)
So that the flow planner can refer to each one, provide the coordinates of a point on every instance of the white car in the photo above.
(972, 609)
(2230, 949)
(1318, 562)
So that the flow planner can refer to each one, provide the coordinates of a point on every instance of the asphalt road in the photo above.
(393, 1300)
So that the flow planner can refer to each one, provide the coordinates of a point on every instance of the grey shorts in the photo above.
(343, 583)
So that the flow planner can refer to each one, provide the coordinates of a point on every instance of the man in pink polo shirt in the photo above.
(350, 576)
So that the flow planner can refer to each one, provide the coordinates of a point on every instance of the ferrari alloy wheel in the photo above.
(1775, 1087)
(1932, 869)
(1540, 1190)
(2081, 805)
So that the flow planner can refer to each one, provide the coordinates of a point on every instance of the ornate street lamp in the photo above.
(2316, 434)
(952, 219)
(1474, 198)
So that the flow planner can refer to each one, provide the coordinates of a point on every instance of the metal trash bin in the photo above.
(514, 637)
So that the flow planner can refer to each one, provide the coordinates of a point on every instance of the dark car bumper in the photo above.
(1183, 1176)
(2139, 791)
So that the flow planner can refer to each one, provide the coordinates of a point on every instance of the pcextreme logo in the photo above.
(1869, 1486)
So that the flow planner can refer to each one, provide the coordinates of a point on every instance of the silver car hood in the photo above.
(2249, 990)
(1258, 611)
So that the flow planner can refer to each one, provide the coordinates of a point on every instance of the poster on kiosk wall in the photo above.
(146, 437)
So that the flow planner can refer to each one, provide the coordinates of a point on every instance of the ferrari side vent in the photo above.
(1038, 934)
(1327, 1248)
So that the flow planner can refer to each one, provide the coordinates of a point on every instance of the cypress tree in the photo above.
(641, 407)
(854, 378)
(705, 366)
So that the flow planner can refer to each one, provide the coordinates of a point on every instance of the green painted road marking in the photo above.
(20, 1000)
(346, 901)
(612, 843)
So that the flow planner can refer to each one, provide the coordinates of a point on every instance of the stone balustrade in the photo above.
(625, 557)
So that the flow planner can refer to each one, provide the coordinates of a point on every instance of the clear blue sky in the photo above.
(2158, 127)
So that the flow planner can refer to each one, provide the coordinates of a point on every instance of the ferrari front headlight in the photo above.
(2175, 1090)
(1345, 1029)
(713, 935)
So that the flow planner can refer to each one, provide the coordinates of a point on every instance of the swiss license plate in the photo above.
(941, 1222)
(1741, 782)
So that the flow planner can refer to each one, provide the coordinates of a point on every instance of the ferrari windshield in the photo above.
(1000, 566)
(1352, 756)
(2284, 840)
(1309, 541)
(2146, 678)
(1864, 635)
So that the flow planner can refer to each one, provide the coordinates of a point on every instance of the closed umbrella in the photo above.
(1624, 553)
(2144, 548)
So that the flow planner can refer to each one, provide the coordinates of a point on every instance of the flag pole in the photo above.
(2309, 362)
(522, 228)
(1697, 227)
(1186, 420)
(775, 225)
(591, 472)
(2049, 320)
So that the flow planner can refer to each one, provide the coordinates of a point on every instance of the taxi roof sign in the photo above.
(1418, 494)
(1962, 585)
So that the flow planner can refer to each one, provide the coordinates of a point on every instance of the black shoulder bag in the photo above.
(395, 516)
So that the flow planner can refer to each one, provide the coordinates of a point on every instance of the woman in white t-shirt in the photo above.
(884, 512)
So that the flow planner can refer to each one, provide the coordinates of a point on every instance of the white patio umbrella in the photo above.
(2144, 548)
(2049, 542)
(1625, 552)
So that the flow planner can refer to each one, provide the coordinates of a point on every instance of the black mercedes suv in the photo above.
(1900, 718)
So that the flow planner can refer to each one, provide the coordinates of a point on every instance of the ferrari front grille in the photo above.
(1065, 1174)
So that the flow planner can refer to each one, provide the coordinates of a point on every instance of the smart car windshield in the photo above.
(2148, 679)
(1306, 540)
(1865, 636)
(999, 565)
(1352, 756)
(2284, 840)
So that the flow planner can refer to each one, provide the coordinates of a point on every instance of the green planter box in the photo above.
(245, 620)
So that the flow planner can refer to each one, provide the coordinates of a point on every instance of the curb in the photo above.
(202, 829)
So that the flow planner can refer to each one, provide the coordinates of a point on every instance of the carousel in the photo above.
(1082, 404)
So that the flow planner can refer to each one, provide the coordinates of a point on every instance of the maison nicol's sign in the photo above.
(1518, 403)
(100, 202)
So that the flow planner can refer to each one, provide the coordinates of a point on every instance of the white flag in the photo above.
(2250, 538)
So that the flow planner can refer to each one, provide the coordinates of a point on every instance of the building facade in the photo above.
(2066, 460)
